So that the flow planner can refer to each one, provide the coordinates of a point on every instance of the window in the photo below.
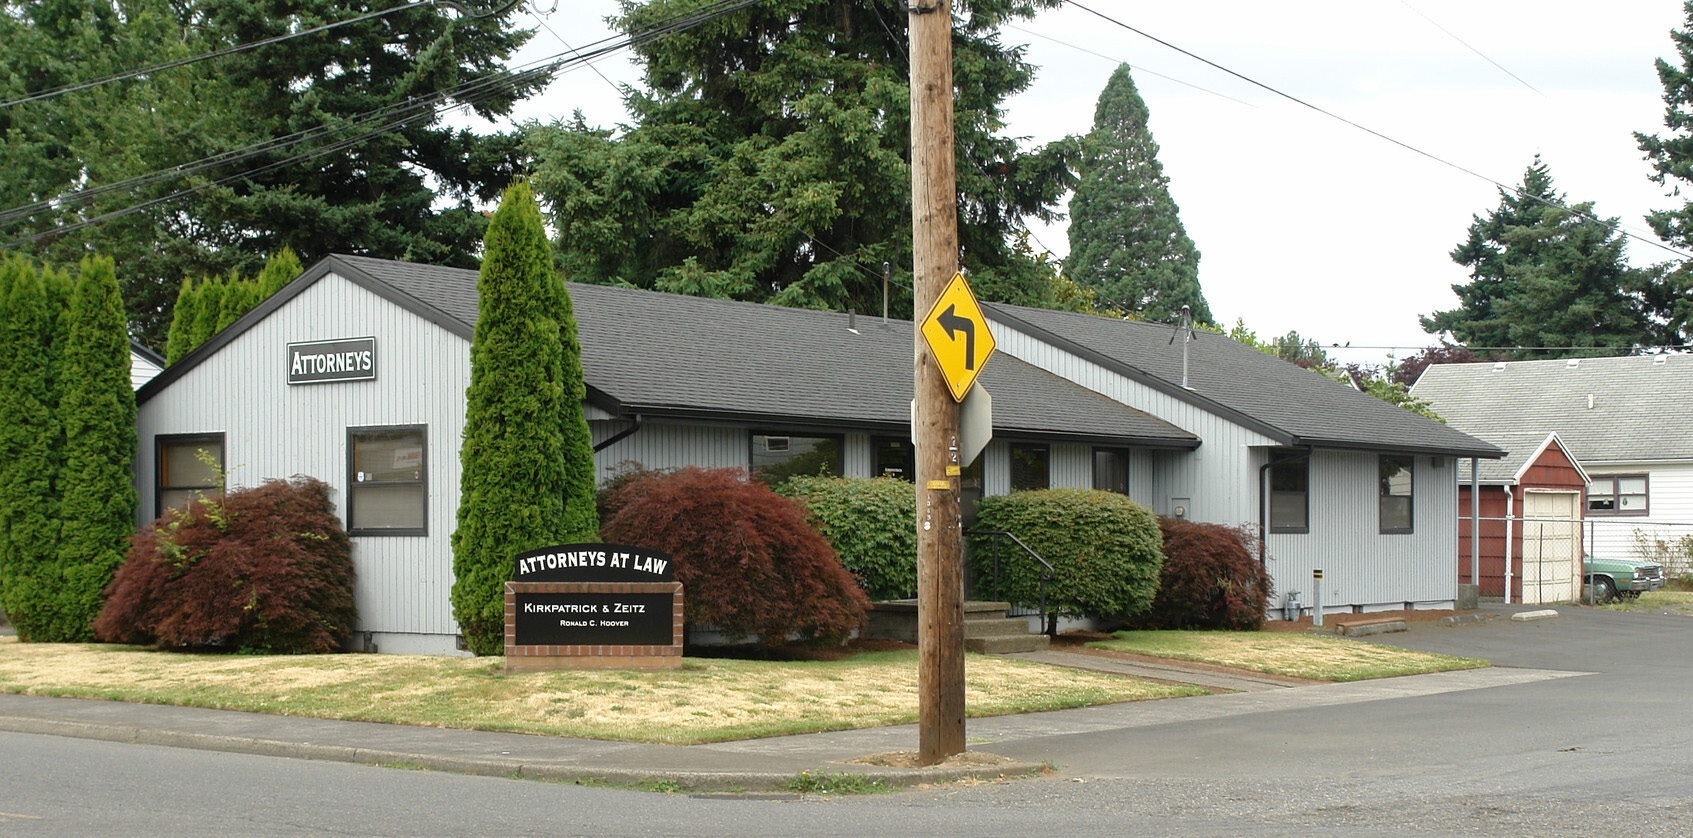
(1111, 470)
(1617, 494)
(388, 494)
(1395, 492)
(1029, 469)
(1289, 491)
(186, 466)
(895, 457)
(776, 458)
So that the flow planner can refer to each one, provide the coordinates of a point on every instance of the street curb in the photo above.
(1464, 619)
(704, 781)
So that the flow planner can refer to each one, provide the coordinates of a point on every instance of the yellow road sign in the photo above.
(957, 334)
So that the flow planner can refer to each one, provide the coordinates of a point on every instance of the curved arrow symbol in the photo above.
(950, 321)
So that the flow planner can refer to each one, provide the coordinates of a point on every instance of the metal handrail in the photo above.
(1048, 573)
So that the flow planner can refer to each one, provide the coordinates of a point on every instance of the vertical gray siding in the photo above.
(1209, 476)
(273, 430)
(665, 445)
(1361, 567)
(1220, 481)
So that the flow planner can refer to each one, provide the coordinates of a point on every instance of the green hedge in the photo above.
(871, 522)
(1106, 550)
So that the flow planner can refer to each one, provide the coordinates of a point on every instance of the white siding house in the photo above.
(1629, 421)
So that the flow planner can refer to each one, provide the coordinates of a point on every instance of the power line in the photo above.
(1466, 44)
(1139, 69)
(1588, 216)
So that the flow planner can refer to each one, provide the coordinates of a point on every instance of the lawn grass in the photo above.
(707, 700)
(1316, 657)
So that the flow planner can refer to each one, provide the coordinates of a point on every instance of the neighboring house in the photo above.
(1531, 504)
(1629, 421)
(1343, 482)
(144, 363)
(672, 381)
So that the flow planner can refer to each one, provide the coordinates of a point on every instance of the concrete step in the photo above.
(1003, 627)
(1006, 644)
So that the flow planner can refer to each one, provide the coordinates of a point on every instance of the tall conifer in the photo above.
(182, 319)
(515, 480)
(29, 436)
(1127, 242)
(97, 409)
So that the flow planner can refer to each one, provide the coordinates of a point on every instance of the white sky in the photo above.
(1303, 222)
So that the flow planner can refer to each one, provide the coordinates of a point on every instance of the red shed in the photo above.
(1531, 511)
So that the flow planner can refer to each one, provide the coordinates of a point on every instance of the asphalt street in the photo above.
(1576, 729)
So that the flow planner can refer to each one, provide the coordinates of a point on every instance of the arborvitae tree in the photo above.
(209, 310)
(581, 520)
(239, 297)
(517, 487)
(1544, 274)
(183, 315)
(1668, 291)
(29, 442)
(1127, 242)
(97, 409)
(279, 270)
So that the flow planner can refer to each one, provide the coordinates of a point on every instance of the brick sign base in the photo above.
(593, 625)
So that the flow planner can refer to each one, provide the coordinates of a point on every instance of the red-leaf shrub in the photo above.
(1211, 579)
(749, 562)
(265, 569)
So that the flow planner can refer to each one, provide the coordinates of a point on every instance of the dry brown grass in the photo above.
(707, 700)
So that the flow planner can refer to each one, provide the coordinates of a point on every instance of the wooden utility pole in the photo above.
(940, 537)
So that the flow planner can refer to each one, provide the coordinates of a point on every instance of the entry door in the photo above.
(1551, 547)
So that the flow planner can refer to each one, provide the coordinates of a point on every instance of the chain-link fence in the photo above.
(1667, 544)
(1545, 554)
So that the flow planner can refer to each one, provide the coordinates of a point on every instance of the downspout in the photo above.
(620, 435)
(1263, 510)
(1510, 520)
(1264, 502)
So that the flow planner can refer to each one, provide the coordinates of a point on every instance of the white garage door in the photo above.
(1551, 547)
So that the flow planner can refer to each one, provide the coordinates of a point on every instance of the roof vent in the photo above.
(1659, 360)
(1589, 401)
(1573, 363)
(1498, 366)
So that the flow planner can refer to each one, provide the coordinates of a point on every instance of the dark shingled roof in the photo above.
(1605, 410)
(1229, 379)
(691, 357)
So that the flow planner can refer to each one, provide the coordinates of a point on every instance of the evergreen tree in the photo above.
(97, 409)
(29, 442)
(1667, 291)
(581, 520)
(209, 311)
(280, 269)
(1544, 274)
(373, 168)
(518, 488)
(182, 322)
(239, 297)
(768, 159)
(1127, 242)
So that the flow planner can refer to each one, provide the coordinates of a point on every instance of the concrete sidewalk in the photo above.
(1005, 746)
